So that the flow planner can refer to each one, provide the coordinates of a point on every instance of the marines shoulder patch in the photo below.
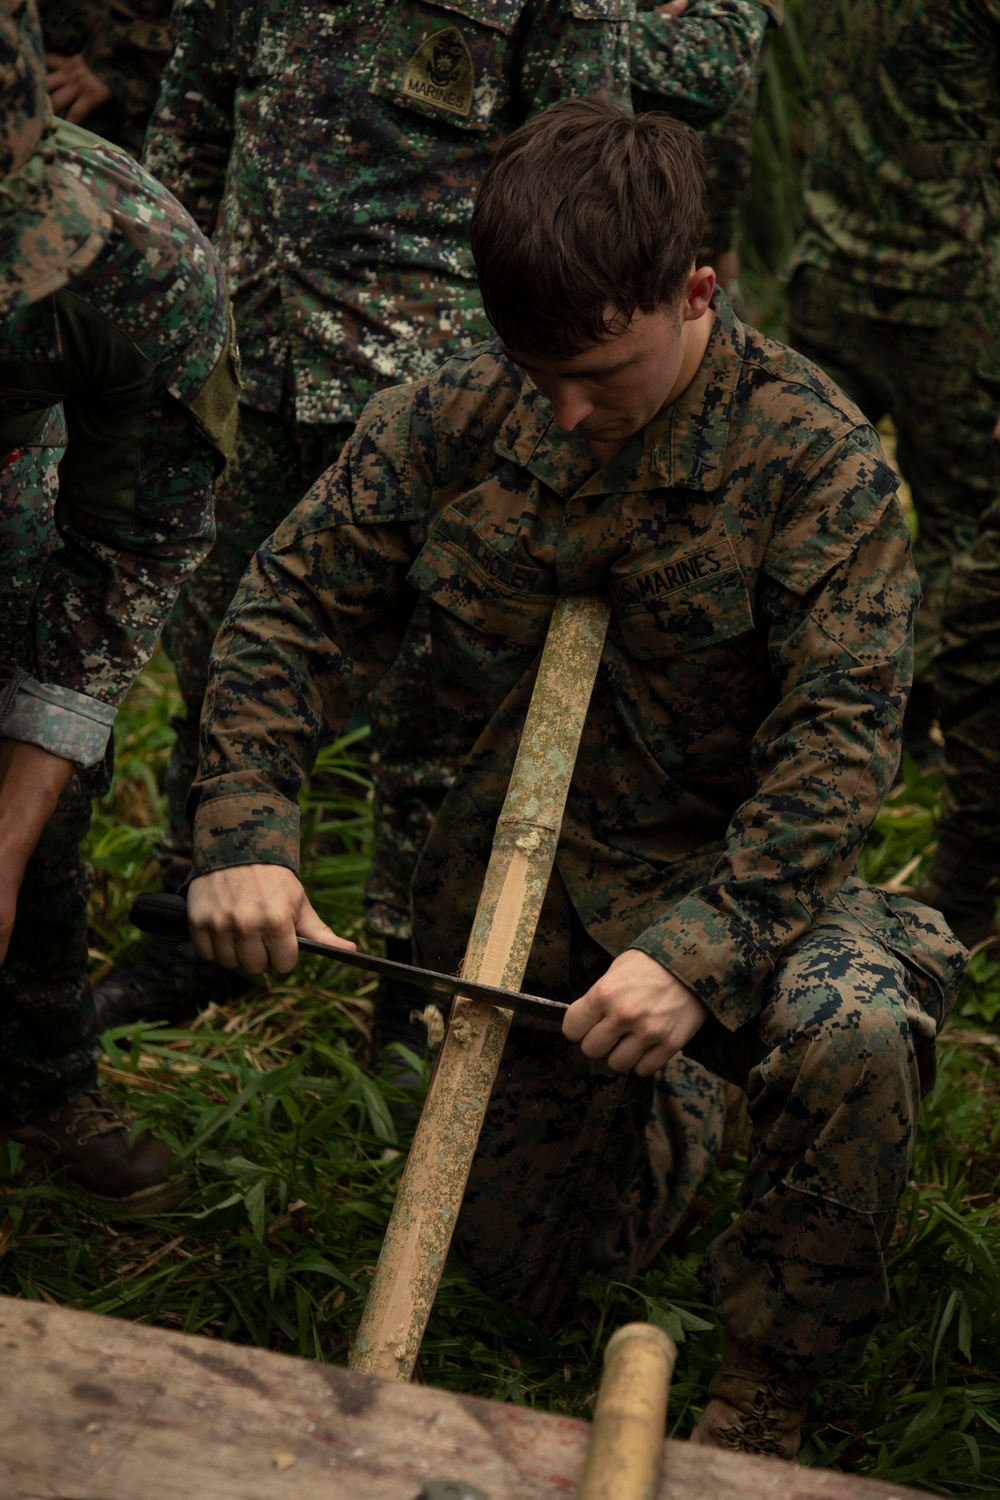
(441, 72)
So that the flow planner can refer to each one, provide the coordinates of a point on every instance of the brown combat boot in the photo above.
(87, 1140)
(754, 1407)
(962, 884)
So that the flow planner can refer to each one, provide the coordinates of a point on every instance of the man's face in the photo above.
(610, 391)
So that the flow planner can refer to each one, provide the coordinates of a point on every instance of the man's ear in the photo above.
(698, 294)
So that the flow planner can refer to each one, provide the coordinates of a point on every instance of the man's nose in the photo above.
(571, 406)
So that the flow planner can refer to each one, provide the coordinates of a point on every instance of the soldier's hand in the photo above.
(672, 8)
(74, 90)
(636, 1016)
(31, 780)
(251, 916)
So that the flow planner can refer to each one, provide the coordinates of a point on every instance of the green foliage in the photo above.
(294, 1151)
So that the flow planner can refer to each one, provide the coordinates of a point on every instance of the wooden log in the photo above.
(437, 1169)
(95, 1408)
(625, 1457)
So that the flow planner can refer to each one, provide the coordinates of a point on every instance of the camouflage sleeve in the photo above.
(569, 48)
(837, 599)
(728, 145)
(191, 132)
(695, 66)
(317, 620)
(134, 512)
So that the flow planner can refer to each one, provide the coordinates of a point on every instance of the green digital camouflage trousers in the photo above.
(934, 368)
(47, 1023)
(276, 461)
(582, 1170)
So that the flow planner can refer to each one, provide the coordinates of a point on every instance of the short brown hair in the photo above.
(587, 208)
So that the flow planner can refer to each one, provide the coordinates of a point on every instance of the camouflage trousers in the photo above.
(47, 1022)
(934, 368)
(580, 1170)
(967, 682)
(277, 459)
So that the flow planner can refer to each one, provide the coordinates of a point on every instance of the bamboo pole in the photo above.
(437, 1169)
(625, 1455)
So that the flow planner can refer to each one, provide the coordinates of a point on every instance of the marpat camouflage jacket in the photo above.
(744, 725)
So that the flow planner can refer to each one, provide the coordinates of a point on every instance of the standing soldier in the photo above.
(113, 306)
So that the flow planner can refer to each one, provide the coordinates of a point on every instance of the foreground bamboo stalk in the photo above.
(625, 1455)
(437, 1169)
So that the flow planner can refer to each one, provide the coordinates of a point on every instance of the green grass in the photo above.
(294, 1151)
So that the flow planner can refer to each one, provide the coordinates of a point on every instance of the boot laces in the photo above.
(95, 1116)
(758, 1429)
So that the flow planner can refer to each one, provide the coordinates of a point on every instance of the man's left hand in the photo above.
(74, 91)
(637, 1015)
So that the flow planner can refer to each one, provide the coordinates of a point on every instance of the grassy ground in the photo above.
(294, 1152)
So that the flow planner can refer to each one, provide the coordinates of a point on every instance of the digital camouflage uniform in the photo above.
(124, 45)
(331, 306)
(119, 352)
(744, 726)
(895, 285)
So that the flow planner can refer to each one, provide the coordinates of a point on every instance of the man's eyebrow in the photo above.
(601, 372)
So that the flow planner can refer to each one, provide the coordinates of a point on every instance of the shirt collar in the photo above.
(683, 447)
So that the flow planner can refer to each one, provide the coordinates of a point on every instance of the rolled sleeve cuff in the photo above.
(245, 828)
(713, 955)
(57, 719)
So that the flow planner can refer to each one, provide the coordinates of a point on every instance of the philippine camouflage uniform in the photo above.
(744, 726)
(330, 308)
(124, 45)
(896, 278)
(134, 350)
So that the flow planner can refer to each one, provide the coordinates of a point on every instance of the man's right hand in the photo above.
(250, 917)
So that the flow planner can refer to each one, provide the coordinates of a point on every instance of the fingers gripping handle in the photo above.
(161, 915)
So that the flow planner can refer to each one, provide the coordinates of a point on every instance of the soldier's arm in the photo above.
(696, 65)
(190, 134)
(145, 379)
(30, 783)
(315, 623)
(836, 601)
(562, 53)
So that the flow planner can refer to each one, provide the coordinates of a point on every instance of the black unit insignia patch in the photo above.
(441, 72)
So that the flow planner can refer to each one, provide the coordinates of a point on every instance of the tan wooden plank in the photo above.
(95, 1408)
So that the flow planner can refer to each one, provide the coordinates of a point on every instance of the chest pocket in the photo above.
(495, 596)
(447, 61)
(683, 604)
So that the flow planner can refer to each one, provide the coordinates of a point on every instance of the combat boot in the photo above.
(962, 884)
(167, 982)
(86, 1140)
(754, 1408)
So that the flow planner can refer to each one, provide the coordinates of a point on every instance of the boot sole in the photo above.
(161, 1198)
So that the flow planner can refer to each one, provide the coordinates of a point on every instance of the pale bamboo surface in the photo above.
(437, 1169)
(625, 1457)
